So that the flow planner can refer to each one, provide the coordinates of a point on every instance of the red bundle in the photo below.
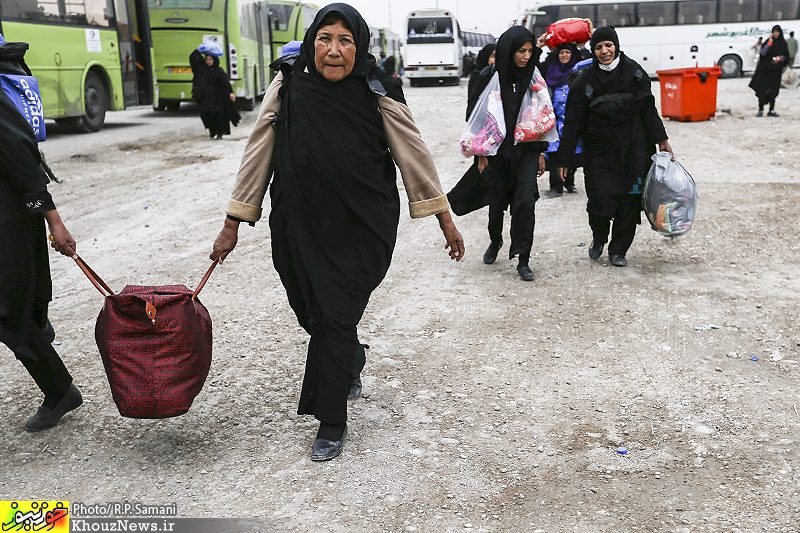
(568, 31)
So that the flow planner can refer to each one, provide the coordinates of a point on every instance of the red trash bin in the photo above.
(689, 94)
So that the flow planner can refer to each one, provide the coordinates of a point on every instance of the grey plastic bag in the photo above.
(670, 196)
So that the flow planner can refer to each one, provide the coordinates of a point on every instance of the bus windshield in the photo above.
(281, 14)
(430, 30)
(179, 4)
(79, 13)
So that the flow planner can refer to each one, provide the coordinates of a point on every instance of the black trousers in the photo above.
(764, 99)
(555, 181)
(624, 210)
(516, 187)
(48, 370)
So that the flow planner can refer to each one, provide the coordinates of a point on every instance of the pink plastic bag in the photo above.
(536, 118)
(486, 127)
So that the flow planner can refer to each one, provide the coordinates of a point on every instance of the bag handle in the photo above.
(94, 278)
(205, 278)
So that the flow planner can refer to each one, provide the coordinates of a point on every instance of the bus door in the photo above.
(135, 47)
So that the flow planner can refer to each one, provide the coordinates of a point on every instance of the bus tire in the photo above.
(173, 105)
(730, 66)
(246, 104)
(413, 82)
(95, 97)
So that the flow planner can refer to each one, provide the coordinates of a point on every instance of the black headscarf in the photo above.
(605, 82)
(482, 60)
(514, 81)
(334, 194)
(604, 33)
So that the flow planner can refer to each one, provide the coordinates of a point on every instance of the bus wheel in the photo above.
(96, 104)
(173, 106)
(731, 66)
(413, 82)
(246, 104)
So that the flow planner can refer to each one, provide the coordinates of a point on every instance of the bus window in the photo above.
(179, 4)
(702, 12)
(430, 30)
(308, 17)
(541, 22)
(738, 10)
(659, 13)
(779, 9)
(581, 12)
(96, 14)
(616, 15)
(280, 14)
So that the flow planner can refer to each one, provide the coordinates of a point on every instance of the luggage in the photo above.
(155, 343)
(536, 116)
(570, 30)
(486, 127)
(670, 196)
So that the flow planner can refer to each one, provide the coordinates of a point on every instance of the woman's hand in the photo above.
(60, 239)
(542, 165)
(664, 146)
(226, 240)
(562, 173)
(233, 99)
(483, 162)
(455, 243)
(540, 41)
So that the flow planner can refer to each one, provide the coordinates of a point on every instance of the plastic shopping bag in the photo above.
(670, 196)
(536, 118)
(486, 127)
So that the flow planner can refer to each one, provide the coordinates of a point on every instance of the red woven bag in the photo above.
(155, 343)
(568, 31)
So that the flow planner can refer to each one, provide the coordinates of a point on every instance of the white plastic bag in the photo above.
(486, 127)
(536, 120)
(670, 196)
(789, 78)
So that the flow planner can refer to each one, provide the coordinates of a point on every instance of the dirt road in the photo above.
(490, 404)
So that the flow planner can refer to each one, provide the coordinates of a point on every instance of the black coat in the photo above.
(619, 126)
(767, 77)
(25, 284)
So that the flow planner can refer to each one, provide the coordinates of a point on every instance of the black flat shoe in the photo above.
(595, 251)
(618, 261)
(772, 114)
(525, 273)
(325, 450)
(490, 255)
(355, 389)
(552, 193)
(572, 190)
(45, 418)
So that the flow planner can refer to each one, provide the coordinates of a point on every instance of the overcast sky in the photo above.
(492, 16)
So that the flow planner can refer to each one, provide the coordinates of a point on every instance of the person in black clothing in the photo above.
(517, 166)
(484, 59)
(388, 65)
(611, 109)
(25, 284)
(766, 82)
(216, 99)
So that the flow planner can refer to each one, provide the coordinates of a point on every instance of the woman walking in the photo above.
(216, 99)
(484, 59)
(611, 109)
(517, 166)
(766, 82)
(343, 123)
(556, 70)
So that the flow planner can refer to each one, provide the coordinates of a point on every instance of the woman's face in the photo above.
(334, 52)
(491, 59)
(564, 56)
(776, 34)
(209, 61)
(605, 52)
(523, 55)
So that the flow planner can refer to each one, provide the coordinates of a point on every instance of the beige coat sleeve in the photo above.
(421, 181)
(255, 171)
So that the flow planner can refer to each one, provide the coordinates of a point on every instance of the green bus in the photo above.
(251, 33)
(89, 56)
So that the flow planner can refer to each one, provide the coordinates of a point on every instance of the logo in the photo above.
(176, 20)
(35, 516)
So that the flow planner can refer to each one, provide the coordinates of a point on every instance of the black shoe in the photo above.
(618, 261)
(760, 113)
(595, 251)
(325, 450)
(572, 189)
(772, 114)
(525, 272)
(490, 255)
(45, 418)
(355, 389)
(552, 193)
(219, 136)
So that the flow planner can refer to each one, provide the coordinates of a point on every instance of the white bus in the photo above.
(432, 47)
(474, 40)
(662, 35)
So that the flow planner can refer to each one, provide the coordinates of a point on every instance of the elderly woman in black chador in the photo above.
(610, 107)
(766, 82)
(331, 127)
(216, 99)
(516, 166)
(25, 285)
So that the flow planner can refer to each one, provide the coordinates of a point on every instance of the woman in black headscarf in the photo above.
(517, 166)
(766, 82)
(484, 59)
(611, 109)
(216, 99)
(331, 127)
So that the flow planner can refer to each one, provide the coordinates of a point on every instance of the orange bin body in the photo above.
(689, 94)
